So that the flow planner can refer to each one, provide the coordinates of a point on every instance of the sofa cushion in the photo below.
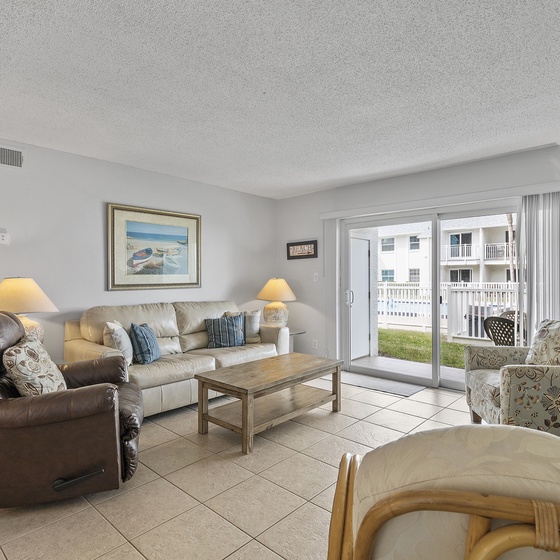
(31, 368)
(190, 320)
(545, 350)
(225, 331)
(170, 369)
(238, 354)
(251, 324)
(144, 343)
(115, 336)
(160, 316)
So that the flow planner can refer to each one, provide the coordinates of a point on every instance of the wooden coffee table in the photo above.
(270, 392)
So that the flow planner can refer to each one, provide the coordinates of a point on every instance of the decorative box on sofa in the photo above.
(180, 329)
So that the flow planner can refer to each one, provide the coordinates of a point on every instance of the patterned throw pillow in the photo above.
(31, 368)
(144, 343)
(251, 324)
(225, 331)
(115, 336)
(545, 350)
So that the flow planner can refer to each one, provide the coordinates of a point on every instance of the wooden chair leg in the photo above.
(478, 527)
(340, 502)
(475, 418)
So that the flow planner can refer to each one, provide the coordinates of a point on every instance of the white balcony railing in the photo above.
(459, 252)
(497, 251)
(463, 306)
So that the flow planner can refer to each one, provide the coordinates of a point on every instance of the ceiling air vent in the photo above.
(13, 158)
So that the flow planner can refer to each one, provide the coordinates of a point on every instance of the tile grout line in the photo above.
(176, 416)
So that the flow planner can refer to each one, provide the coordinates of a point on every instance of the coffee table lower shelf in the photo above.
(271, 410)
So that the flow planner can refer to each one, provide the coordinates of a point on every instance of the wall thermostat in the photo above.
(4, 237)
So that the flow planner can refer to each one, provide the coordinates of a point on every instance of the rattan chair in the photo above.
(461, 493)
(500, 331)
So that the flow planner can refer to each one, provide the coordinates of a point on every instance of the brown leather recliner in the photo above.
(67, 443)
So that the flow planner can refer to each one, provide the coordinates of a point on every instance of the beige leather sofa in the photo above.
(168, 382)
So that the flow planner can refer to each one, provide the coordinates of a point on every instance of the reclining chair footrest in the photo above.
(61, 484)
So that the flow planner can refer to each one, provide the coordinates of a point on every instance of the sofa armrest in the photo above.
(91, 372)
(80, 349)
(530, 397)
(493, 357)
(60, 436)
(59, 406)
(277, 335)
(131, 410)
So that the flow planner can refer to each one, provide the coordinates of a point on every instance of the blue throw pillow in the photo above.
(225, 331)
(145, 348)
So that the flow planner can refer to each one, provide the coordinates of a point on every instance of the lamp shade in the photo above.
(276, 289)
(23, 295)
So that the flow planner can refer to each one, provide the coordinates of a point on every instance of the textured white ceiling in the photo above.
(280, 97)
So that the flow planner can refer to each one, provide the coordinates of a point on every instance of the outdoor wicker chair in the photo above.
(500, 331)
(515, 316)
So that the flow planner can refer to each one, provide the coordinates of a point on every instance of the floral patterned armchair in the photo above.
(517, 386)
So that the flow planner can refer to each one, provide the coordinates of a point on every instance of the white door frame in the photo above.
(365, 323)
(368, 222)
(500, 206)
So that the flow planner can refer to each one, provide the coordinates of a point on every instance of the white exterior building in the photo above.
(472, 250)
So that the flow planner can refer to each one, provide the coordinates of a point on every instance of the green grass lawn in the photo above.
(417, 347)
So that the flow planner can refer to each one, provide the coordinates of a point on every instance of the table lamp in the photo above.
(276, 290)
(23, 295)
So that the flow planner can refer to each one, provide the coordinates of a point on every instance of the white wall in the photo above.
(316, 216)
(55, 212)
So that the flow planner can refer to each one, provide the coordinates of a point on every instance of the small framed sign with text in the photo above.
(302, 250)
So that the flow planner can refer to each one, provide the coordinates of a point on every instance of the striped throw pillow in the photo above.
(225, 331)
(144, 343)
(251, 324)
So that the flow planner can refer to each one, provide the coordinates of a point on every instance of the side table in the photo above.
(294, 332)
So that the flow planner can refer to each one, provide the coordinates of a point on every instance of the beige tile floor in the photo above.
(197, 497)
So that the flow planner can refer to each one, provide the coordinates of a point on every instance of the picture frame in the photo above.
(150, 249)
(302, 250)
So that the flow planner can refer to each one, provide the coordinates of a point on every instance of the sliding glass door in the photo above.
(478, 272)
(389, 300)
(416, 291)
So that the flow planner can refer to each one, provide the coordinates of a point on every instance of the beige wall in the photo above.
(318, 215)
(55, 212)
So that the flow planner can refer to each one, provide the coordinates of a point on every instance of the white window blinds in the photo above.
(540, 251)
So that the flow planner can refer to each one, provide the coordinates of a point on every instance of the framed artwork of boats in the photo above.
(152, 248)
